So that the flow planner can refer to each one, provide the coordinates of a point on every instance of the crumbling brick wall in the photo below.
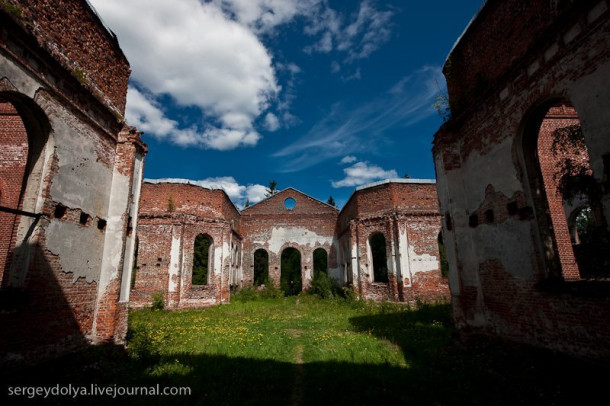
(65, 269)
(406, 213)
(508, 272)
(271, 226)
(171, 217)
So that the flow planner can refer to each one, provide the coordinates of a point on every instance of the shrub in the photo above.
(158, 301)
(266, 291)
(322, 286)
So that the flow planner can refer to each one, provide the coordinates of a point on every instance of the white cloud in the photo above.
(256, 193)
(362, 173)
(348, 159)
(264, 15)
(191, 51)
(271, 122)
(367, 31)
(208, 55)
(145, 113)
(236, 192)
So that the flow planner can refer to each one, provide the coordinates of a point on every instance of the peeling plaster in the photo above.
(76, 245)
(297, 235)
(422, 263)
(492, 168)
(502, 244)
(174, 260)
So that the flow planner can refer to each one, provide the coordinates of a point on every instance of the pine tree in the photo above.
(271, 190)
(331, 201)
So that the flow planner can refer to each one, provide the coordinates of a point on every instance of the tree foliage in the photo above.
(261, 267)
(331, 201)
(290, 281)
(201, 252)
(272, 189)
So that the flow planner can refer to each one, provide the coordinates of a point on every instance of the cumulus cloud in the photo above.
(191, 51)
(236, 192)
(362, 173)
(209, 55)
(272, 123)
(145, 113)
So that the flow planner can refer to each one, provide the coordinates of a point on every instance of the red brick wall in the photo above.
(558, 117)
(500, 34)
(71, 32)
(13, 161)
(308, 216)
(196, 211)
(502, 275)
(390, 208)
(187, 199)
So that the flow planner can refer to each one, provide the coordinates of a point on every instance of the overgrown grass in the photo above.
(305, 350)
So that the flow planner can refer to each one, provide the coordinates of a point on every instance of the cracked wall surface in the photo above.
(172, 215)
(66, 180)
(511, 265)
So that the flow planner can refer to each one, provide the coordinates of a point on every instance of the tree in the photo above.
(271, 190)
(331, 201)
(407, 176)
(247, 204)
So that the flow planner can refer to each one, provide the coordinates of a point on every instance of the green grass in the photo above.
(304, 350)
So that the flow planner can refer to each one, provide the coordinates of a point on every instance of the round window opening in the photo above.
(290, 203)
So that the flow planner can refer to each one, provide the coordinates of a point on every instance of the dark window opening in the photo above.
(84, 218)
(512, 208)
(290, 279)
(261, 267)
(320, 262)
(380, 262)
(101, 224)
(202, 253)
(60, 211)
(443, 256)
(473, 220)
(489, 216)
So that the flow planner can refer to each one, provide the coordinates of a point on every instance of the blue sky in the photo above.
(323, 96)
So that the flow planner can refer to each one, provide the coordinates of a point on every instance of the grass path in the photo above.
(307, 351)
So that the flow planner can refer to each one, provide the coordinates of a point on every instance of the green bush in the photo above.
(158, 301)
(266, 291)
(323, 286)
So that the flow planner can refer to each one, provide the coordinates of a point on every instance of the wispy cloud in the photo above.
(343, 132)
(348, 159)
(356, 37)
(362, 173)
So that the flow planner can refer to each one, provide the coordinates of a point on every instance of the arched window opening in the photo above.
(261, 267)
(290, 280)
(202, 259)
(380, 263)
(561, 180)
(320, 262)
(24, 131)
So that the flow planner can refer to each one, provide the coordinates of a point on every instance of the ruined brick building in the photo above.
(523, 167)
(70, 175)
(400, 216)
